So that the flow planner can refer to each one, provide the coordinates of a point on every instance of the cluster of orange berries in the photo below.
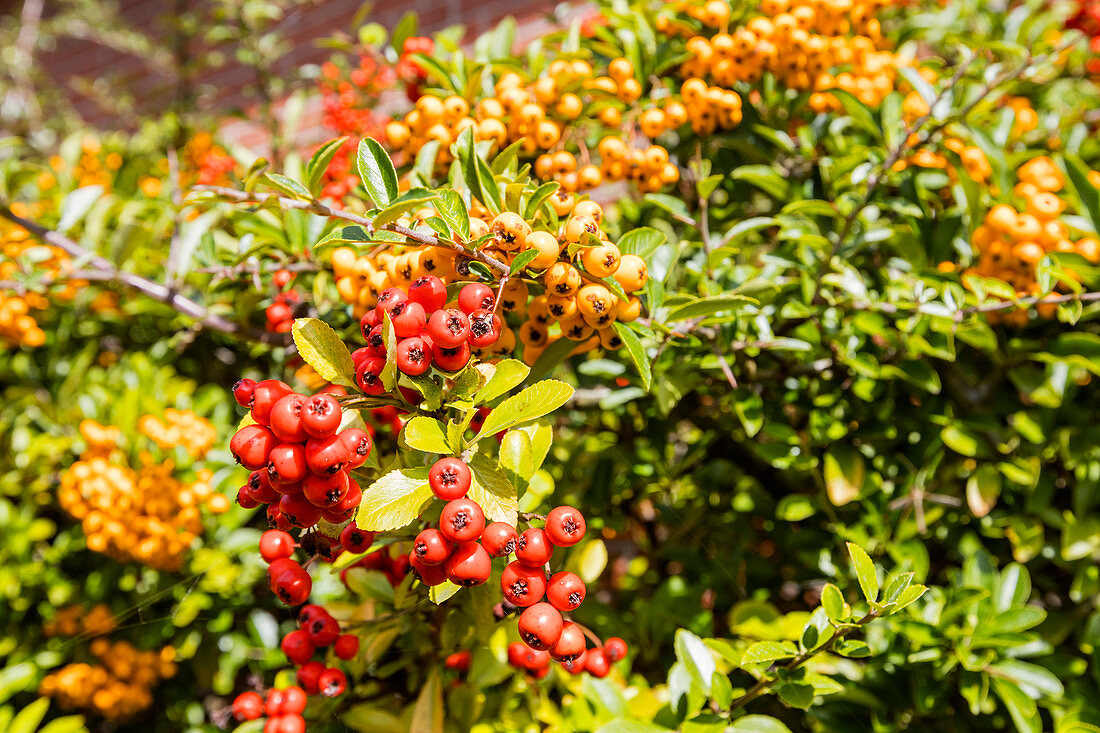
(117, 688)
(76, 621)
(801, 43)
(194, 433)
(1010, 242)
(202, 161)
(972, 158)
(145, 515)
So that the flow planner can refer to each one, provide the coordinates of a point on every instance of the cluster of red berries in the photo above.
(318, 630)
(596, 662)
(298, 457)
(280, 314)
(1086, 18)
(349, 102)
(428, 333)
(413, 74)
(283, 708)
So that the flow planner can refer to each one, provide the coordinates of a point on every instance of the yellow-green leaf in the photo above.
(865, 571)
(492, 490)
(394, 500)
(844, 474)
(427, 716)
(427, 434)
(508, 373)
(537, 400)
(323, 350)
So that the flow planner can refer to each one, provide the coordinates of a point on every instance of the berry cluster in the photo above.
(297, 454)
(283, 708)
(180, 428)
(412, 73)
(117, 688)
(1086, 18)
(79, 621)
(18, 327)
(596, 661)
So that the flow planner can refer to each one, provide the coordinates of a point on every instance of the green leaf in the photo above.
(409, 201)
(489, 190)
(631, 726)
(865, 571)
(321, 348)
(29, 718)
(747, 226)
(16, 679)
(427, 434)
(909, 595)
(427, 714)
(76, 205)
(844, 473)
(852, 648)
(492, 490)
(757, 724)
(708, 306)
(377, 171)
(1087, 194)
(832, 600)
(637, 353)
(537, 400)
(768, 651)
(287, 186)
(983, 489)
(764, 177)
(1021, 708)
(522, 260)
(960, 440)
(1040, 679)
(696, 657)
(67, 724)
(590, 562)
(642, 241)
(443, 592)
(452, 209)
(543, 192)
(554, 354)
(796, 694)
(318, 163)
(509, 373)
(389, 371)
(394, 500)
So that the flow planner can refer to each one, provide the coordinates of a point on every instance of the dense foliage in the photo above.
(796, 303)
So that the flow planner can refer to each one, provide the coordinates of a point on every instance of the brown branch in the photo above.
(103, 269)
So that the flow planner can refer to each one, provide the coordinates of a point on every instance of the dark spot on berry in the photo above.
(575, 598)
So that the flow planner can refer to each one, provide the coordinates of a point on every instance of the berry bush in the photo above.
(698, 366)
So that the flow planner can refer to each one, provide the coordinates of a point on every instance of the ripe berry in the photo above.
(459, 661)
(347, 646)
(274, 705)
(476, 296)
(292, 586)
(376, 342)
(294, 700)
(288, 461)
(408, 319)
(297, 647)
(462, 520)
(264, 396)
(430, 575)
(570, 644)
(449, 478)
(413, 356)
(387, 299)
(575, 665)
(332, 682)
(299, 511)
(540, 626)
(242, 393)
(534, 659)
(321, 416)
(431, 547)
(356, 540)
(323, 630)
(286, 419)
(565, 526)
(245, 499)
(368, 375)
(251, 446)
(289, 723)
(325, 492)
(430, 292)
(522, 586)
(615, 649)
(359, 443)
(275, 545)
(309, 612)
(469, 564)
(276, 519)
(248, 706)
(596, 663)
(566, 591)
(308, 676)
(326, 456)
(359, 354)
(484, 328)
(533, 548)
(371, 319)
(260, 487)
(499, 539)
(451, 360)
(449, 328)
(345, 510)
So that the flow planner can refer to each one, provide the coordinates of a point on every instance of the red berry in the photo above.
(431, 547)
(476, 296)
(516, 653)
(566, 591)
(408, 319)
(276, 519)
(291, 723)
(299, 511)
(272, 725)
(245, 499)
(356, 540)
(430, 575)
(279, 312)
(615, 649)
(485, 328)
(387, 299)
(449, 478)
(376, 342)
(260, 487)
(297, 647)
(326, 456)
(540, 626)
(570, 644)
(576, 665)
(360, 354)
(251, 446)
(264, 396)
(286, 419)
(459, 661)
(413, 356)
(321, 416)
(522, 586)
(292, 586)
(596, 663)
(533, 548)
(430, 292)
(325, 492)
(332, 682)
(309, 612)
(274, 705)
(499, 539)
(308, 676)
(347, 646)
(565, 526)
(449, 328)
(345, 510)
(288, 461)
(322, 630)
(248, 706)
(533, 659)
(369, 375)
(242, 393)
(281, 278)
(469, 564)
(275, 545)
(358, 442)
(451, 360)
(462, 520)
(371, 318)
